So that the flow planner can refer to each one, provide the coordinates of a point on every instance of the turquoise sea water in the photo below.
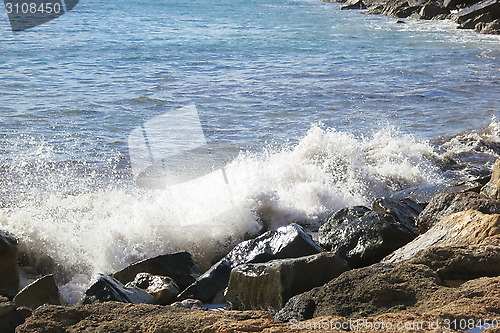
(263, 74)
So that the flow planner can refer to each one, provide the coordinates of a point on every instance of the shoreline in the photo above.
(481, 16)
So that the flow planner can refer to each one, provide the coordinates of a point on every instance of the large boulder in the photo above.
(9, 272)
(41, 291)
(492, 188)
(106, 288)
(490, 28)
(364, 237)
(11, 316)
(404, 210)
(366, 291)
(455, 264)
(483, 11)
(290, 241)
(162, 288)
(268, 286)
(178, 266)
(463, 228)
(445, 204)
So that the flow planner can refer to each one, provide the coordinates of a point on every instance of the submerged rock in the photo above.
(178, 266)
(445, 204)
(162, 288)
(364, 237)
(463, 228)
(268, 286)
(106, 289)
(366, 291)
(290, 241)
(9, 272)
(41, 291)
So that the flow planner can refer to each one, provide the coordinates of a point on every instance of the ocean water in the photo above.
(329, 108)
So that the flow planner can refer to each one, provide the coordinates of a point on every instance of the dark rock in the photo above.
(41, 291)
(470, 227)
(9, 272)
(362, 236)
(163, 288)
(106, 288)
(461, 263)
(485, 6)
(399, 8)
(404, 210)
(354, 4)
(473, 22)
(492, 188)
(458, 4)
(432, 10)
(11, 316)
(490, 28)
(290, 241)
(400, 22)
(268, 286)
(365, 291)
(178, 266)
(446, 204)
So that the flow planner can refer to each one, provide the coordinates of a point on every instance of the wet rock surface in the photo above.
(492, 188)
(41, 291)
(9, 272)
(363, 236)
(178, 266)
(162, 288)
(290, 241)
(268, 286)
(106, 289)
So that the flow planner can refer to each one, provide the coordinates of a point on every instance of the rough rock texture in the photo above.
(41, 291)
(9, 272)
(106, 288)
(365, 291)
(484, 11)
(490, 28)
(163, 288)
(404, 210)
(461, 263)
(178, 266)
(446, 204)
(269, 286)
(364, 237)
(463, 228)
(492, 188)
(11, 316)
(290, 241)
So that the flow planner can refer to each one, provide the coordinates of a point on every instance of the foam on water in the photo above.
(103, 230)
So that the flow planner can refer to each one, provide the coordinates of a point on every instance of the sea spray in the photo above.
(78, 234)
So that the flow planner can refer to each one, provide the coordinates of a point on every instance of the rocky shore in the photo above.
(403, 264)
(483, 16)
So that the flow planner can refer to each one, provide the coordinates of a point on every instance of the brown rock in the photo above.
(162, 288)
(464, 228)
(11, 316)
(492, 188)
(42, 291)
(268, 286)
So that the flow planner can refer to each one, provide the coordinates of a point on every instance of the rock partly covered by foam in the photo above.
(9, 272)
(463, 228)
(363, 236)
(106, 288)
(178, 266)
(42, 291)
(162, 288)
(371, 290)
(290, 241)
(444, 204)
(492, 188)
(268, 286)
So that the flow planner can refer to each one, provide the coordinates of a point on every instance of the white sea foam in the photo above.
(104, 230)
